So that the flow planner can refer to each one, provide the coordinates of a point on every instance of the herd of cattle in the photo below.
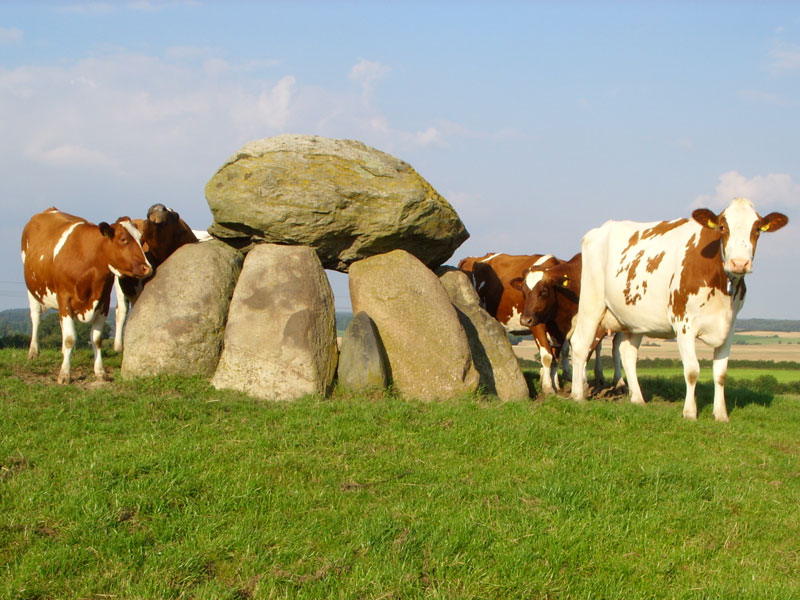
(679, 279)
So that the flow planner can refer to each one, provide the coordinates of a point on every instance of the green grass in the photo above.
(166, 488)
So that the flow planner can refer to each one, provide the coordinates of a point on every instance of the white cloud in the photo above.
(773, 190)
(87, 8)
(785, 57)
(760, 97)
(72, 156)
(366, 73)
(10, 35)
(274, 105)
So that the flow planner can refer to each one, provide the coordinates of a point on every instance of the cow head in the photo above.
(124, 249)
(739, 227)
(163, 232)
(538, 287)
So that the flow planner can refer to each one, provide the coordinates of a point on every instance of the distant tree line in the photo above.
(15, 330)
(783, 325)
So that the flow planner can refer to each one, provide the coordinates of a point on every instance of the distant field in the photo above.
(755, 345)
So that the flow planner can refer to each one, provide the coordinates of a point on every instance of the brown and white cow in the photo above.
(491, 276)
(70, 266)
(551, 298)
(162, 232)
(682, 279)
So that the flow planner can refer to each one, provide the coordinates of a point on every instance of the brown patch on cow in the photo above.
(631, 298)
(632, 241)
(663, 228)
(701, 267)
(654, 261)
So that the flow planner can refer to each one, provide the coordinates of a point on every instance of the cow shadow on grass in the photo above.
(738, 394)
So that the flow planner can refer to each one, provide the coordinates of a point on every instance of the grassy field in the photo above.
(166, 488)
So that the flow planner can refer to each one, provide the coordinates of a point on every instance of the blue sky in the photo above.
(536, 120)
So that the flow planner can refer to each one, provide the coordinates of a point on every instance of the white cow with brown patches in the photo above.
(679, 279)
(70, 266)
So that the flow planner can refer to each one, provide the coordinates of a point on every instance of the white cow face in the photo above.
(739, 227)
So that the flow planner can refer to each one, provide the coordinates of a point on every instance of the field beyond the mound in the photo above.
(166, 488)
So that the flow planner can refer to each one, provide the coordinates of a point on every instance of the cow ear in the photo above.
(516, 283)
(773, 222)
(706, 218)
(106, 230)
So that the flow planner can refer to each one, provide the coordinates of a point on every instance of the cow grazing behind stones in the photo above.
(491, 276)
(681, 279)
(551, 299)
(163, 232)
(70, 266)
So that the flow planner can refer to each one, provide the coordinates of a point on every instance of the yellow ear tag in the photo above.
(765, 227)
(565, 283)
(711, 224)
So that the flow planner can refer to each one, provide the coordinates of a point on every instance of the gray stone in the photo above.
(344, 199)
(280, 341)
(491, 351)
(177, 324)
(428, 352)
(362, 360)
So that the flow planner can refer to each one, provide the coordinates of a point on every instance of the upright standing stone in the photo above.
(427, 348)
(362, 359)
(488, 342)
(177, 324)
(280, 342)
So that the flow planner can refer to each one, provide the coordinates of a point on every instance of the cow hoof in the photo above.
(722, 418)
(63, 379)
(33, 354)
(690, 416)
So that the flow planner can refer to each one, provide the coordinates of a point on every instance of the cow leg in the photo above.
(629, 352)
(546, 354)
(67, 344)
(120, 314)
(599, 380)
(619, 382)
(36, 320)
(691, 371)
(589, 317)
(720, 370)
(97, 339)
(566, 366)
(546, 373)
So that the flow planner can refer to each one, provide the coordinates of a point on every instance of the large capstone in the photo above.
(428, 352)
(177, 324)
(280, 342)
(344, 199)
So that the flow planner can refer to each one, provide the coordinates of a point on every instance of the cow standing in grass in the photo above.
(679, 279)
(491, 276)
(70, 266)
(551, 299)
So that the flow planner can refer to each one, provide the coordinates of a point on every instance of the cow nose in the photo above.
(526, 320)
(144, 270)
(740, 265)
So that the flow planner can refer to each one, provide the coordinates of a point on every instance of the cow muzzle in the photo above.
(142, 271)
(740, 266)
